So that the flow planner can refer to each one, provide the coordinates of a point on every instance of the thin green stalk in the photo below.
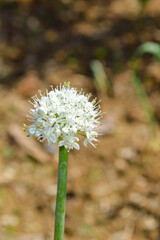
(61, 194)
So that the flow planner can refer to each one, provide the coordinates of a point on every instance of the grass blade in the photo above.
(101, 80)
(154, 49)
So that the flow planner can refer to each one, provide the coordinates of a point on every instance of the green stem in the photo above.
(61, 194)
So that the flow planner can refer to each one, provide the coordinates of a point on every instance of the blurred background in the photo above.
(111, 49)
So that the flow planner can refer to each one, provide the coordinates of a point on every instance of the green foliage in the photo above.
(10, 230)
(101, 80)
(8, 152)
(154, 49)
(100, 52)
(143, 2)
(148, 47)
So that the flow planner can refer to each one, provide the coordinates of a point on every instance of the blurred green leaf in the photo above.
(154, 49)
(100, 52)
(143, 2)
(73, 63)
(10, 230)
(8, 152)
(101, 80)
(148, 47)
(144, 101)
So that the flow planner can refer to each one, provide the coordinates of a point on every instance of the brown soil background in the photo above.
(113, 190)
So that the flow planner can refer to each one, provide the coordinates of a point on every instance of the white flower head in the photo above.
(62, 114)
